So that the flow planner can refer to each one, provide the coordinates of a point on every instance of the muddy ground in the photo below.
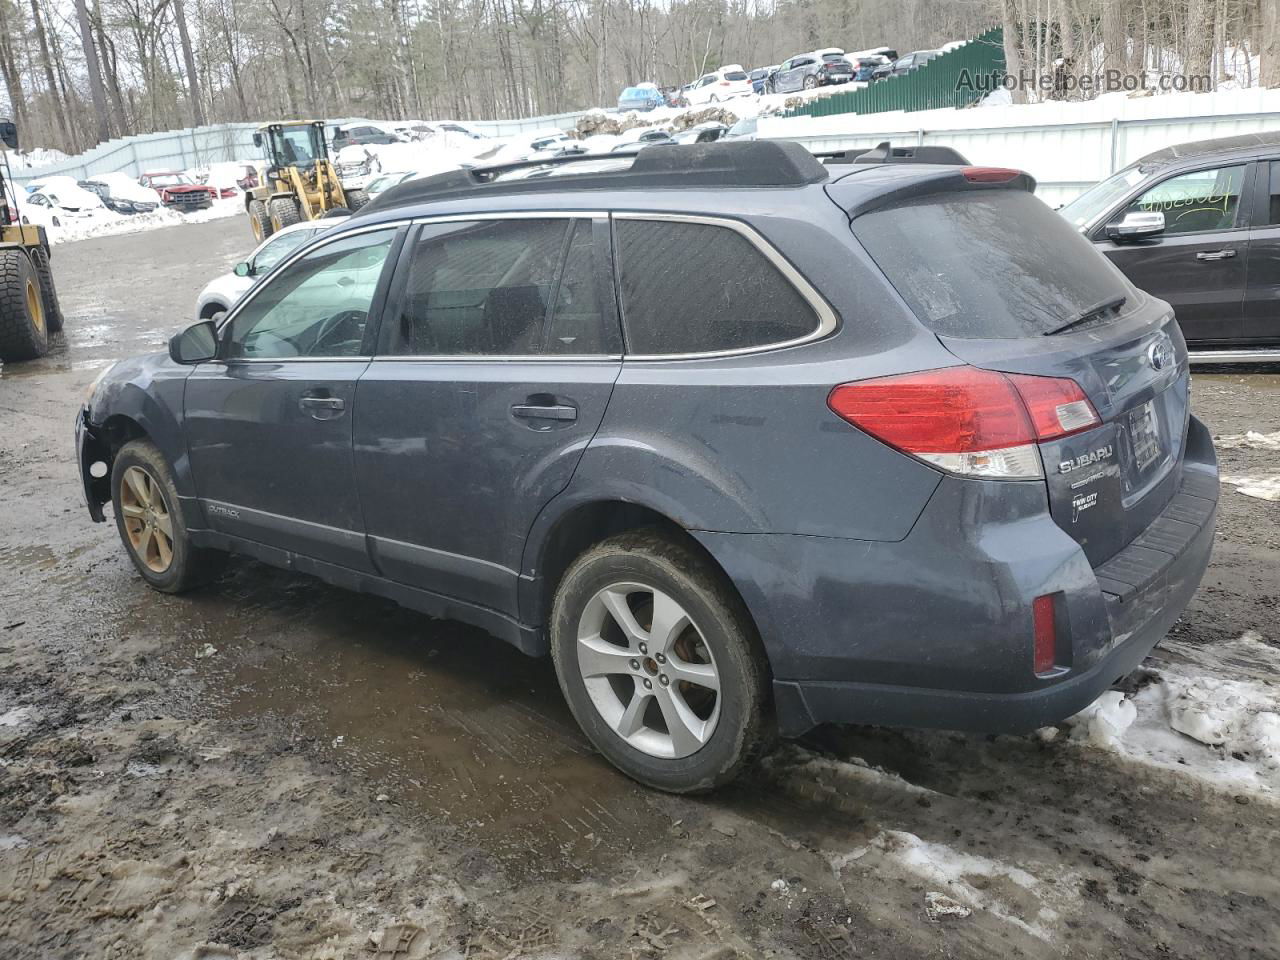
(271, 767)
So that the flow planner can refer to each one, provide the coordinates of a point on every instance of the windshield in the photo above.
(293, 144)
(1085, 209)
(172, 180)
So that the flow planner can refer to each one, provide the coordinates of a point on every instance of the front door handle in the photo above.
(534, 411)
(322, 408)
(1216, 255)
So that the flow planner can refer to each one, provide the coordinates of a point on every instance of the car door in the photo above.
(795, 75)
(1199, 262)
(494, 366)
(268, 424)
(1262, 297)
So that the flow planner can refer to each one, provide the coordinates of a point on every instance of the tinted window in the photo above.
(695, 288)
(988, 263)
(1196, 202)
(489, 287)
(1275, 192)
(735, 75)
(317, 306)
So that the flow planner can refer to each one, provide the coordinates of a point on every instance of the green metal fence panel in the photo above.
(955, 79)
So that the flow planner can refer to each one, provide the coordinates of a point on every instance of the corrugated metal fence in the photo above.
(939, 83)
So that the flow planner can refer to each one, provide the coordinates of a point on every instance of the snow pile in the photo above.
(1250, 440)
(969, 881)
(1225, 732)
(1104, 721)
(105, 223)
(35, 159)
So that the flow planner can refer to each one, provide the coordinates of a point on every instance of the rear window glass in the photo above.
(700, 288)
(989, 263)
(735, 75)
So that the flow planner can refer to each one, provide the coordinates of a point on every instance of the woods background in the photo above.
(80, 71)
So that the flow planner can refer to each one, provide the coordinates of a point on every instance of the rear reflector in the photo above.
(990, 174)
(967, 420)
(1045, 656)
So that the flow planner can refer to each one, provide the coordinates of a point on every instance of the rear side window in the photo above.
(988, 263)
(502, 288)
(703, 288)
(1274, 207)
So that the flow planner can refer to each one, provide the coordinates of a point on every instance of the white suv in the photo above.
(724, 84)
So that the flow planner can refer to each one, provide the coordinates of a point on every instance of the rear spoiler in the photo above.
(880, 186)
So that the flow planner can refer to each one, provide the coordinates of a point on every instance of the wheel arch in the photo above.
(576, 528)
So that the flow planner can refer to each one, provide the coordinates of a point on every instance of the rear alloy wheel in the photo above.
(150, 521)
(660, 662)
(259, 220)
(284, 212)
(24, 334)
(48, 294)
(810, 82)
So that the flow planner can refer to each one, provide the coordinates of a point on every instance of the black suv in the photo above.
(1198, 225)
(744, 441)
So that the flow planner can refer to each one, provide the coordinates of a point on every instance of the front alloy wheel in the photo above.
(648, 670)
(147, 523)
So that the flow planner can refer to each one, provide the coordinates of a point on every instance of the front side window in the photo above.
(703, 288)
(1196, 202)
(317, 306)
(502, 288)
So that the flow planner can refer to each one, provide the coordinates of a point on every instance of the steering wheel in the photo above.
(334, 325)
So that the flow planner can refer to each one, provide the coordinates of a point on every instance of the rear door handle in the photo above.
(1216, 255)
(322, 408)
(533, 411)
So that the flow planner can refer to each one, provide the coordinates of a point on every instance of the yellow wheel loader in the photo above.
(298, 181)
(29, 310)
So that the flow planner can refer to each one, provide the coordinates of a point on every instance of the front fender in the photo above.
(147, 391)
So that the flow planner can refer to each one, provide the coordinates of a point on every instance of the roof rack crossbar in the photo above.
(885, 152)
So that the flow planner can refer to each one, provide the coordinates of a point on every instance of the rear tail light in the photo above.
(724, 83)
(1045, 632)
(968, 421)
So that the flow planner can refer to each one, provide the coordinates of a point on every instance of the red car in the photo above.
(178, 190)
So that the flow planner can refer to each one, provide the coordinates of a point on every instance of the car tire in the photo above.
(260, 220)
(149, 517)
(726, 729)
(24, 335)
(48, 293)
(284, 212)
(356, 199)
(810, 82)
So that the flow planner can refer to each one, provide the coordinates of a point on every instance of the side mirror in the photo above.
(257, 140)
(196, 344)
(242, 269)
(9, 134)
(1136, 225)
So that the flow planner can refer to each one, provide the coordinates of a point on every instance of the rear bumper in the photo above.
(936, 630)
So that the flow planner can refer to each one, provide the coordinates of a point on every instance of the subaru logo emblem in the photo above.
(1160, 353)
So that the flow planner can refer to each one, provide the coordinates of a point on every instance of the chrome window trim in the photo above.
(496, 357)
(827, 320)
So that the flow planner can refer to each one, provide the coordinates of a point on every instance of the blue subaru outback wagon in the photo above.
(745, 439)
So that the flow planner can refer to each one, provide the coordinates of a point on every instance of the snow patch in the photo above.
(1104, 721)
(949, 869)
(1249, 440)
(854, 771)
(1263, 488)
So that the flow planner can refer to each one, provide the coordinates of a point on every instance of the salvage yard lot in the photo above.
(274, 768)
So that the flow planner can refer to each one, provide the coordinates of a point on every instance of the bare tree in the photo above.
(94, 72)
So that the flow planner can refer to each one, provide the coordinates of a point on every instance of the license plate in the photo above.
(840, 76)
(1144, 433)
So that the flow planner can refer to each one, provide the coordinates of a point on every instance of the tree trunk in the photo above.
(189, 62)
(1269, 49)
(58, 110)
(1012, 46)
(1199, 38)
(9, 67)
(106, 50)
(95, 74)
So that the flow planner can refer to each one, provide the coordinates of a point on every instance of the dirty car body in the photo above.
(929, 517)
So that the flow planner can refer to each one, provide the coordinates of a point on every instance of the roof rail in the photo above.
(885, 152)
(756, 163)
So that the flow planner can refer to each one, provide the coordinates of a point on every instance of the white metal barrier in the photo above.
(1065, 146)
